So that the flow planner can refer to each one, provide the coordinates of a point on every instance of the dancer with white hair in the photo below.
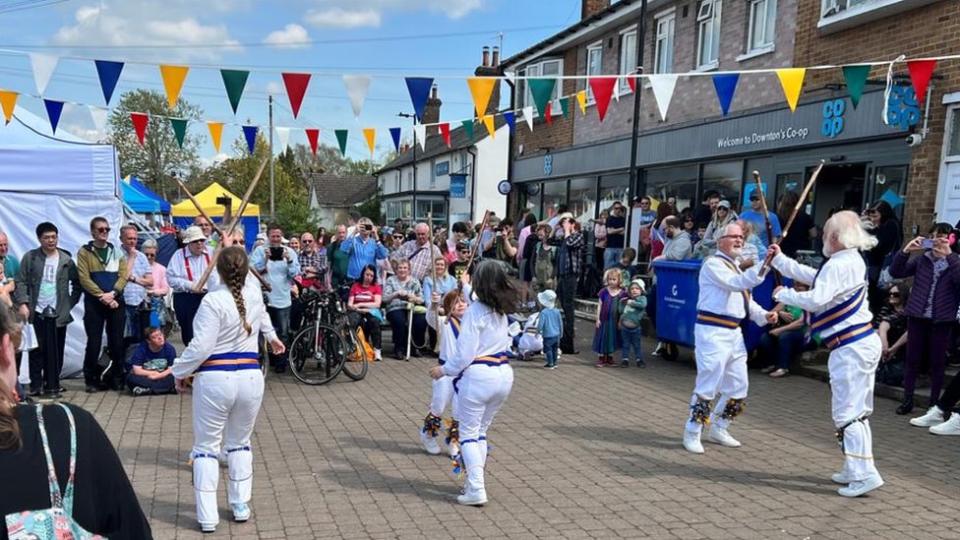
(839, 312)
(723, 306)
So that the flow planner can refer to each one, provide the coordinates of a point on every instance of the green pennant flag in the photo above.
(542, 90)
(342, 139)
(179, 126)
(468, 127)
(565, 106)
(856, 78)
(234, 81)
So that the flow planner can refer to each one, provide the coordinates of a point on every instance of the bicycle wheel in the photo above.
(355, 363)
(316, 355)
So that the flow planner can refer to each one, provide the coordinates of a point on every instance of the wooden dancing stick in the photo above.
(793, 215)
(476, 247)
(433, 266)
(766, 217)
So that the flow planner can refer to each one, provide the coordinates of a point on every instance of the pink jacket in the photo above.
(160, 285)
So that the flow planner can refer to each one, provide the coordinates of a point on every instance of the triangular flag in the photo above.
(140, 122)
(234, 81)
(725, 84)
(109, 74)
(528, 116)
(663, 86)
(250, 134)
(468, 128)
(8, 101)
(565, 106)
(631, 82)
(445, 133)
(216, 134)
(420, 136)
(342, 140)
(419, 88)
(179, 126)
(616, 92)
(856, 79)
(582, 101)
(395, 135)
(283, 133)
(602, 88)
(54, 110)
(313, 137)
(791, 79)
(542, 90)
(510, 119)
(491, 127)
(370, 134)
(548, 114)
(99, 117)
(357, 88)
(173, 77)
(296, 85)
(43, 66)
(920, 73)
(481, 88)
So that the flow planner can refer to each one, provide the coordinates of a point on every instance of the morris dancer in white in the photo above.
(455, 305)
(724, 305)
(837, 302)
(227, 386)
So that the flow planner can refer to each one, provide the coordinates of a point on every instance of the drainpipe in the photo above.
(473, 183)
(510, 141)
(635, 133)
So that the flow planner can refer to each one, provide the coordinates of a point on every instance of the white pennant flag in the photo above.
(663, 87)
(528, 116)
(43, 67)
(511, 76)
(357, 88)
(99, 117)
(420, 135)
(283, 133)
(616, 91)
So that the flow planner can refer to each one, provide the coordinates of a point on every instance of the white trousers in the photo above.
(481, 392)
(852, 370)
(442, 397)
(721, 370)
(225, 407)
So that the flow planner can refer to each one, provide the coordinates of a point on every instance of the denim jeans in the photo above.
(280, 318)
(783, 347)
(550, 346)
(631, 339)
(611, 257)
(398, 320)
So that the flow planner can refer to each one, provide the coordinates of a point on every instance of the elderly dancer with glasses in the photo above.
(839, 312)
(722, 308)
(183, 271)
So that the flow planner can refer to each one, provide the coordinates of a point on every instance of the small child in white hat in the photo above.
(550, 326)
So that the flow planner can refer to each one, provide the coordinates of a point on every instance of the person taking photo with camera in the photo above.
(278, 264)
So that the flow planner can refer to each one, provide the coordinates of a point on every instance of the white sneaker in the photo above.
(721, 436)
(840, 478)
(691, 441)
(862, 487)
(933, 417)
(377, 355)
(950, 427)
(430, 444)
(473, 498)
(241, 512)
(207, 528)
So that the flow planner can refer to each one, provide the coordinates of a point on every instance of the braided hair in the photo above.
(233, 266)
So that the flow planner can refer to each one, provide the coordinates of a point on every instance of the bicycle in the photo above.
(327, 344)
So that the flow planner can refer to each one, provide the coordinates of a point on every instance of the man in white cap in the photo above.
(839, 312)
(183, 272)
(723, 306)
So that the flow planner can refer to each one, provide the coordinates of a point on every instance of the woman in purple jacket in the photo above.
(932, 308)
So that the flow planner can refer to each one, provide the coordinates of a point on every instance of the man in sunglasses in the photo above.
(755, 216)
(102, 271)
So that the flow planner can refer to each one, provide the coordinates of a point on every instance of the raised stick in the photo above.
(766, 216)
(476, 247)
(796, 210)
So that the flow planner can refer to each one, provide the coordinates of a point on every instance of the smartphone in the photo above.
(927, 243)
(276, 253)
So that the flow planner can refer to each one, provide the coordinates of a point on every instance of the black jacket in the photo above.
(31, 274)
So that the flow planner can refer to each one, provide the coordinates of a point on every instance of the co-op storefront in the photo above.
(864, 158)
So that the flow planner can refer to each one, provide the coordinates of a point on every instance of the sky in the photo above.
(386, 39)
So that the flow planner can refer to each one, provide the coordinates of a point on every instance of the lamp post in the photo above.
(413, 202)
(635, 133)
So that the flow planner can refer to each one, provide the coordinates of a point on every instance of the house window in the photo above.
(628, 57)
(708, 34)
(763, 23)
(544, 68)
(663, 49)
(594, 65)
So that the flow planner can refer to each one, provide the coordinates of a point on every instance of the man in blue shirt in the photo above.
(755, 216)
(279, 265)
(364, 248)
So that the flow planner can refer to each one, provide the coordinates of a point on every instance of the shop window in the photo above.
(679, 183)
(583, 199)
(725, 178)
(892, 178)
(613, 188)
(554, 194)
(534, 196)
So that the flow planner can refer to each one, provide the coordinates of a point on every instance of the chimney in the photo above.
(431, 113)
(490, 68)
(590, 8)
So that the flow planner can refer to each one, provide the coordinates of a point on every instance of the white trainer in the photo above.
(241, 512)
(950, 427)
(430, 444)
(473, 498)
(208, 528)
(721, 436)
(691, 441)
(933, 417)
(453, 449)
(840, 478)
(861, 487)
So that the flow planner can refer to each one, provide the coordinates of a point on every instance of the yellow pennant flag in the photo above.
(491, 128)
(8, 100)
(216, 134)
(791, 79)
(370, 134)
(481, 89)
(173, 77)
(582, 101)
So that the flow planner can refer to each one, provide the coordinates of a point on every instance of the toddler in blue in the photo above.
(550, 326)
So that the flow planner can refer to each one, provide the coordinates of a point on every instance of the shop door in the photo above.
(888, 183)
(839, 187)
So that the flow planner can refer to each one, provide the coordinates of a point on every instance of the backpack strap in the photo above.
(58, 500)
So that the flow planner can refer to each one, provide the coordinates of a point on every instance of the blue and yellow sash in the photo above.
(232, 361)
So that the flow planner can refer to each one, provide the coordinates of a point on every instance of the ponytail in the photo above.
(233, 267)
(9, 427)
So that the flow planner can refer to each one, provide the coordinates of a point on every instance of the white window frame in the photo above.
(593, 48)
(708, 26)
(836, 15)
(625, 65)
(768, 40)
(535, 69)
(664, 37)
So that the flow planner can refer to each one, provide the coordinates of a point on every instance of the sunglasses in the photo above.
(754, 199)
(151, 255)
(398, 236)
(721, 209)
(306, 241)
(103, 229)
(894, 294)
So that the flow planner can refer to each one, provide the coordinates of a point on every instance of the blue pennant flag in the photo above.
(395, 134)
(54, 110)
(109, 73)
(725, 85)
(511, 119)
(892, 198)
(419, 88)
(250, 133)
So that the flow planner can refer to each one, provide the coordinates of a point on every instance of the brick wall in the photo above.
(560, 133)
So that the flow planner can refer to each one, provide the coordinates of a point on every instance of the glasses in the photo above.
(398, 236)
(754, 199)
(151, 255)
(721, 209)
(894, 294)
(306, 241)
(733, 236)
(103, 229)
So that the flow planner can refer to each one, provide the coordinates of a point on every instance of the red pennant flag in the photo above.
(602, 88)
(920, 73)
(296, 84)
(445, 132)
(632, 83)
(140, 122)
(313, 134)
(548, 113)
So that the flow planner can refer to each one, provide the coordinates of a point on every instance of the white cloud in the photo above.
(293, 36)
(356, 13)
(343, 18)
(213, 160)
(274, 88)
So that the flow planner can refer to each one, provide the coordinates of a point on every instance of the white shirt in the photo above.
(218, 329)
(181, 280)
(483, 332)
(842, 276)
(448, 341)
(47, 295)
(721, 289)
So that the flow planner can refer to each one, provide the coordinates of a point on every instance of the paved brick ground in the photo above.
(578, 452)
